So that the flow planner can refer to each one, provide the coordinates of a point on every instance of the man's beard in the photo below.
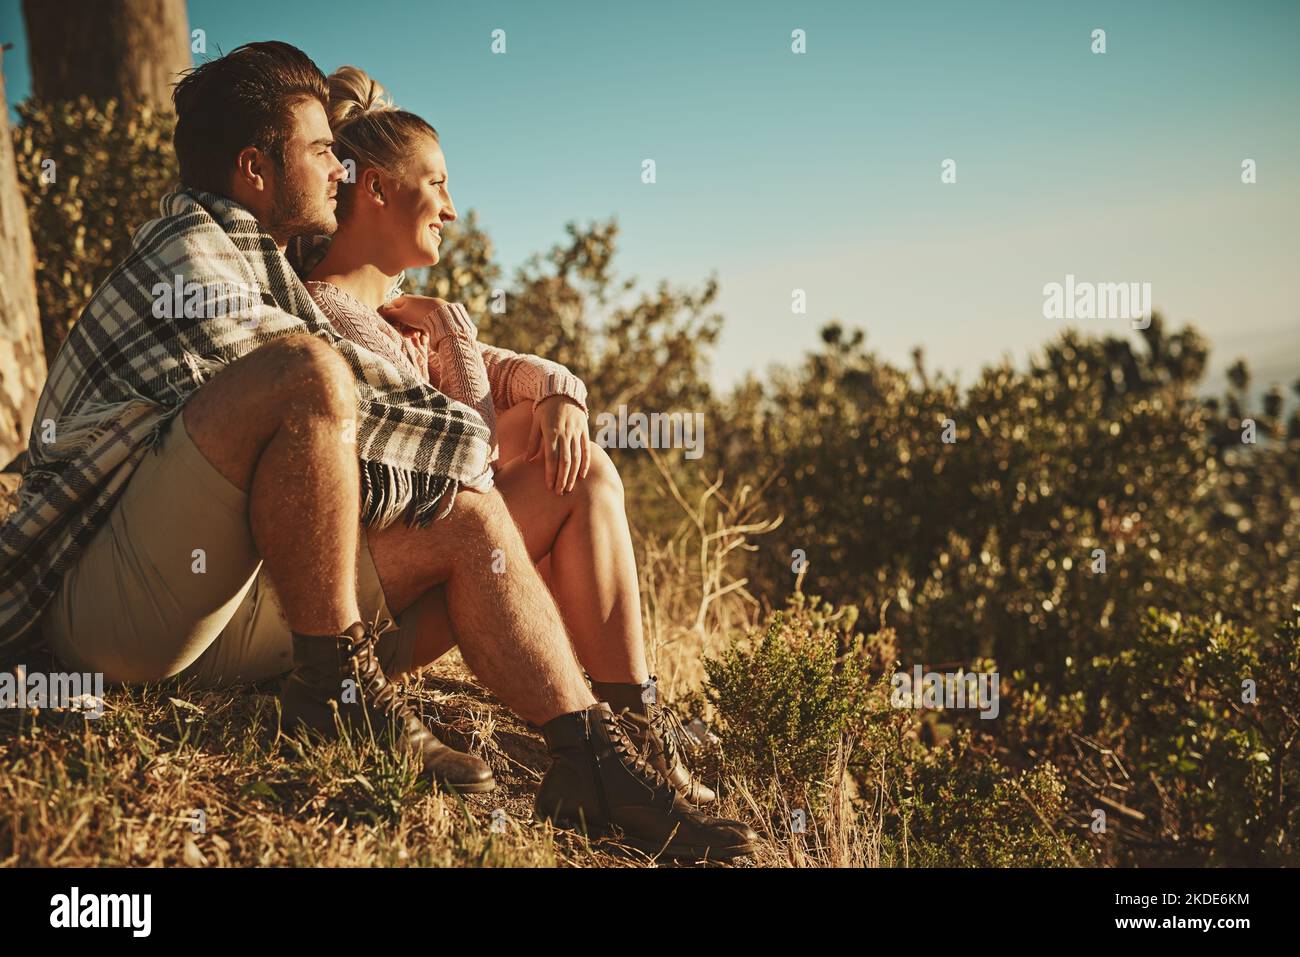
(296, 212)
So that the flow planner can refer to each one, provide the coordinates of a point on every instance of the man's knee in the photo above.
(307, 369)
(482, 513)
(288, 380)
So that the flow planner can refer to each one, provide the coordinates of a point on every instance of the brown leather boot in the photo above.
(598, 782)
(316, 688)
(657, 733)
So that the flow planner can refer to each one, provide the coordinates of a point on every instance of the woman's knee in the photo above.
(603, 474)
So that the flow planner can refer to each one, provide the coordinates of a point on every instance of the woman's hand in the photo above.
(417, 312)
(559, 429)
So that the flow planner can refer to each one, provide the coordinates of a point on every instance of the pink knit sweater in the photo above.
(452, 360)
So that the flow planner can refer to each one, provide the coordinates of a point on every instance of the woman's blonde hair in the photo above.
(368, 129)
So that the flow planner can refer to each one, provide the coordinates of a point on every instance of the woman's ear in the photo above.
(372, 187)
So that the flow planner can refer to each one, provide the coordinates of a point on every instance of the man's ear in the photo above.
(250, 168)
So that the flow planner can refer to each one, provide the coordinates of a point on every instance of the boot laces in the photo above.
(380, 692)
(633, 758)
(665, 722)
(665, 726)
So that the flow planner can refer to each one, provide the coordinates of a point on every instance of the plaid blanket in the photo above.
(201, 287)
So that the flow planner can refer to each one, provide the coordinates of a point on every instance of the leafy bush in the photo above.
(787, 699)
(1159, 736)
(989, 544)
(112, 166)
(784, 702)
(966, 810)
(1207, 717)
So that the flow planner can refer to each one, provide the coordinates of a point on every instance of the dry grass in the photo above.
(694, 603)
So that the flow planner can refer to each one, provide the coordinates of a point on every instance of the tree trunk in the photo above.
(22, 358)
(125, 49)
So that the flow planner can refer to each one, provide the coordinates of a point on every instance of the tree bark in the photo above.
(131, 50)
(22, 357)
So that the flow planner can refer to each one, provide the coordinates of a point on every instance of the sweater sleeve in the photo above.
(517, 378)
(456, 365)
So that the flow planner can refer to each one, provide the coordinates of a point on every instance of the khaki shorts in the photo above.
(171, 584)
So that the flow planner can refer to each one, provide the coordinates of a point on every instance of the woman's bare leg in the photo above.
(593, 567)
(584, 538)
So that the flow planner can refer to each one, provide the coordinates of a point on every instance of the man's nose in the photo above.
(339, 172)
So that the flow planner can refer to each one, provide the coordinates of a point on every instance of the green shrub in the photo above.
(785, 701)
(111, 168)
(1216, 774)
(966, 810)
(977, 514)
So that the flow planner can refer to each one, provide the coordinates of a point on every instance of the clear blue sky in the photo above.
(821, 171)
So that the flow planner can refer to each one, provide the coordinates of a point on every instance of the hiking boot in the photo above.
(598, 782)
(315, 690)
(657, 733)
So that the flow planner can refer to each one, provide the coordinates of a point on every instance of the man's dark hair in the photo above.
(239, 100)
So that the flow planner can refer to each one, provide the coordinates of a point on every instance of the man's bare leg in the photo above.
(581, 545)
(273, 424)
(293, 402)
(511, 634)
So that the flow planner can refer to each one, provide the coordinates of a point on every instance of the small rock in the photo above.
(192, 856)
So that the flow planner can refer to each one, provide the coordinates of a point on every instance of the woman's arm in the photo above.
(455, 365)
(515, 377)
(511, 376)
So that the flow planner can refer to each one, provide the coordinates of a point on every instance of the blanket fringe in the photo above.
(389, 493)
(159, 430)
(75, 433)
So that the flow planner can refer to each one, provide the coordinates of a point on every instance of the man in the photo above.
(208, 424)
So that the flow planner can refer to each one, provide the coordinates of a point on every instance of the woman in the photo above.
(562, 490)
